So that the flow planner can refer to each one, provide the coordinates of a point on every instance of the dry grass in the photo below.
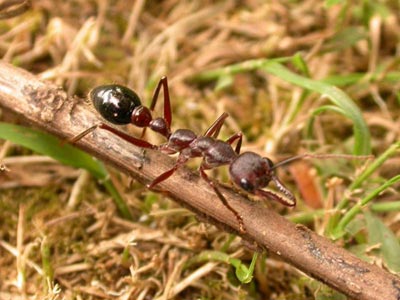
(58, 223)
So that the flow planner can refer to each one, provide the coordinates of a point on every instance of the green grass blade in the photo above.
(64, 153)
(386, 206)
(356, 209)
(362, 144)
(51, 146)
(334, 229)
(45, 251)
(243, 273)
(379, 234)
(392, 150)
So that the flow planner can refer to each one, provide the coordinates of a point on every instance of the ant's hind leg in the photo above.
(122, 135)
(80, 136)
(135, 141)
(163, 83)
(222, 198)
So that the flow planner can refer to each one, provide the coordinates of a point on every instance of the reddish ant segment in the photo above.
(248, 170)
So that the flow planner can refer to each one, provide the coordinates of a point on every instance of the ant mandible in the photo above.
(249, 171)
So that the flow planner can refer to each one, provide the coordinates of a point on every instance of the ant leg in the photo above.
(222, 198)
(122, 135)
(215, 128)
(237, 136)
(135, 141)
(180, 162)
(287, 198)
(127, 137)
(78, 137)
(167, 103)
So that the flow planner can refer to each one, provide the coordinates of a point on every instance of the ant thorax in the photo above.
(178, 140)
(218, 154)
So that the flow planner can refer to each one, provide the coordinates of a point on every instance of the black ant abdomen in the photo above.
(115, 103)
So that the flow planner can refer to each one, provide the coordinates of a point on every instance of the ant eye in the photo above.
(114, 102)
(246, 185)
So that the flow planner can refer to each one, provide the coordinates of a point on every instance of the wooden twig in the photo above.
(13, 8)
(47, 107)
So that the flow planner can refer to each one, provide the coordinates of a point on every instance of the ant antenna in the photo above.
(310, 155)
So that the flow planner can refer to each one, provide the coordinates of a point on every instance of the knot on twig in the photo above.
(48, 100)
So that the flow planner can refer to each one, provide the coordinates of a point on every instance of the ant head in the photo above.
(115, 103)
(251, 172)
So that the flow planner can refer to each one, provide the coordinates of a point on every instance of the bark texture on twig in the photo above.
(47, 107)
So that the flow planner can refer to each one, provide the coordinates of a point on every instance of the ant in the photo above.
(249, 171)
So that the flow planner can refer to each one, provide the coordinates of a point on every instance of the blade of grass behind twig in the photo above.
(380, 234)
(67, 154)
(338, 221)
